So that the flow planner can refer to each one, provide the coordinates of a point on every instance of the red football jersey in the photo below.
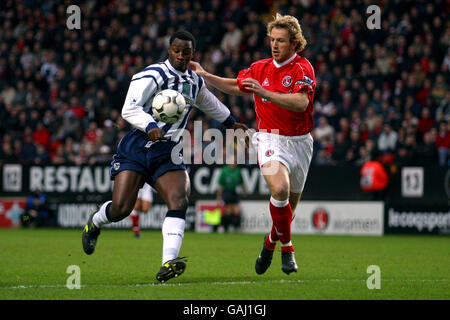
(291, 77)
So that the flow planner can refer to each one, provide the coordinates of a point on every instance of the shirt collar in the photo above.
(279, 65)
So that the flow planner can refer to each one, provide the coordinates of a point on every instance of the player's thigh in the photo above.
(276, 175)
(300, 172)
(174, 188)
(126, 186)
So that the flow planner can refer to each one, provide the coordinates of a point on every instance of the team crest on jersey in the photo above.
(269, 152)
(287, 81)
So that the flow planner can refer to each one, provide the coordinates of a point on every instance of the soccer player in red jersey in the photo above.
(283, 89)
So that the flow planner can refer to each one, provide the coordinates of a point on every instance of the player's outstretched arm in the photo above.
(226, 85)
(294, 101)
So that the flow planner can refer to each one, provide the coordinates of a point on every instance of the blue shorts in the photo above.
(133, 153)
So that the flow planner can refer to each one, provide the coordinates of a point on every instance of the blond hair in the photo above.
(292, 25)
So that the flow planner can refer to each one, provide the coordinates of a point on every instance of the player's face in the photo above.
(180, 54)
(281, 45)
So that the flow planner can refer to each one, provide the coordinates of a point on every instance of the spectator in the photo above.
(427, 153)
(324, 107)
(41, 136)
(426, 121)
(443, 144)
(387, 140)
(42, 156)
(363, 156)
(323, 130)
(370, 118)
(7, 153)
(443, 109)
(232, 37)
(28, 151)
(340, 149)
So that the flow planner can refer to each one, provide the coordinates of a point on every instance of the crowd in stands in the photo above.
(382, 94)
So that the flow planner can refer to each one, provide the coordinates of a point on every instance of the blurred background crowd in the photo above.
(381, 94)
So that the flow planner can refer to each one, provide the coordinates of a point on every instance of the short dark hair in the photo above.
(183, 35)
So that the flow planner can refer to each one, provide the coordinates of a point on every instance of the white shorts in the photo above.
(293, 152)
(145, 193)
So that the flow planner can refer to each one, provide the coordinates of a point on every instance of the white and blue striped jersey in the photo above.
(160, 76)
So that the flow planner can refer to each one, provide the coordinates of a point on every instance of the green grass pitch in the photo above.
(33, 265)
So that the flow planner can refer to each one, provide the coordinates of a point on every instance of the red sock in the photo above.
(269, 244)
(135, 223)
(282, 218)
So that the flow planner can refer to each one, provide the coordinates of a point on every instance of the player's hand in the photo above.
(196, 67)
(156, 134)
(238, 125)
(254, 86)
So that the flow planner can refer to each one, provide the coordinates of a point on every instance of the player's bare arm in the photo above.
(226, 85)
(292, 101)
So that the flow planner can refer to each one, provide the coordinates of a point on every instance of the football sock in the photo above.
(101, 217)
(269, 242)
(173, 233)
(134, 216)
(281, 213)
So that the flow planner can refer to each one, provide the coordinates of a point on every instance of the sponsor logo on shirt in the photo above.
(266, 83)
(307, 79)
(301, 82)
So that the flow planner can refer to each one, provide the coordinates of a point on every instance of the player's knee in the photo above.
(120, 210)
(146, 207)
(280, 191)
(178, 201)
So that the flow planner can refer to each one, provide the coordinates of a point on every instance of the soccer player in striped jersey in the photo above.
(144, 153)
(283, 88)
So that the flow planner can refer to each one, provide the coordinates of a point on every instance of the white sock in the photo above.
(173, 233)
(279, 203)
(100, 218)
(289, 244)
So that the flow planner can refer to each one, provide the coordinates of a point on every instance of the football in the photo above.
(168, 106)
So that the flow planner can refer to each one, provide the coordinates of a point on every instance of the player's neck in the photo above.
(285, 62)
(173, 68)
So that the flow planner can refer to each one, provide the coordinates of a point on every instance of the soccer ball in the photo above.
(168, 106)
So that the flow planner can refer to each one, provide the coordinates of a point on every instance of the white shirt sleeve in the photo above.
(209, 104)
(140, 90)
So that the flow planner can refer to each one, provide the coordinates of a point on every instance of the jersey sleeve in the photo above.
(244, 74)
(305, 81)
(139, 91)
(209, 104)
